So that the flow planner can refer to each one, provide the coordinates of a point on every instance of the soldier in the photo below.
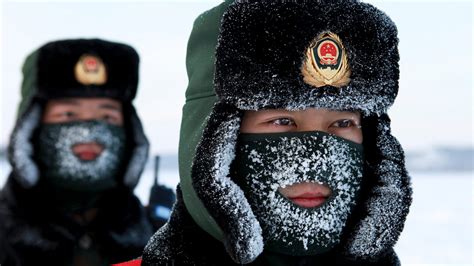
(77, 152)
(287, 158)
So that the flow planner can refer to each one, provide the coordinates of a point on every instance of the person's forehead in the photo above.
(305, 111)
(97, 102)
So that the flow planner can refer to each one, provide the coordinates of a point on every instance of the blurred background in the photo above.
(432, 117)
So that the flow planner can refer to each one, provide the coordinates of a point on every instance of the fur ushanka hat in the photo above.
(82, 68)
(336, 54)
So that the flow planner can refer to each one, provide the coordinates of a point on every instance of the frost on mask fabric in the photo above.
(267, 162)
(63, 168)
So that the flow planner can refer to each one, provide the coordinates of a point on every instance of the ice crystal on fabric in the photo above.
(226, 201)
(68, 164)
(389, 203)
(322, 159)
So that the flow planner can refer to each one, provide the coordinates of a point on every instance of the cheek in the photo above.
(119, 120)
(119, 116)
(246, 125)
(354, 135)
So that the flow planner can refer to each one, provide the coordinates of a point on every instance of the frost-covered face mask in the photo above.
(62, 168)
(266, 162)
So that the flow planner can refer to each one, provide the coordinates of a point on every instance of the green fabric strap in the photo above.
(200, 98)
(28, 86)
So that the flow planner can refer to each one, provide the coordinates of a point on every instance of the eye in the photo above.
(344, 123)
(283, 122)
(67, 114)
(109, 119)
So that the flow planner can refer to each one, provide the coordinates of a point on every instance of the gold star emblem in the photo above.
(326, 62)
(90, 70)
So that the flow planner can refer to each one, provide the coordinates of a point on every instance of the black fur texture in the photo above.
(33, 232)
(182, 242)
(263, 44)
(55, 69)
(387, 194)
(223, 198)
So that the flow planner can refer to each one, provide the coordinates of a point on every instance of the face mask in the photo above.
(62, 168)
(266, 162)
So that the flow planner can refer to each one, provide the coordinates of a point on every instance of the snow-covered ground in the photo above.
(439, 228)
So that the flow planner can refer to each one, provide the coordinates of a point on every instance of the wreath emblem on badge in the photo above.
(90, 70)
(326, 62)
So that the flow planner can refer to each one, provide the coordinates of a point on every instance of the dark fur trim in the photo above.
(263, 43)
(182, 242)
(224, 200)
(20, 149)
(55, 69)
(389, 197)
(170, 245)
(140, 149)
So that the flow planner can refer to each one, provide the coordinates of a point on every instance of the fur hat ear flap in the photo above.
(389, 200)
(140, 151)
(224, 199)
(21, 149)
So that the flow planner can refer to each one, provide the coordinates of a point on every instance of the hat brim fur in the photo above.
(263, 45)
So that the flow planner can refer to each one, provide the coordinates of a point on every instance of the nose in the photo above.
(87, 115)
(312, 126)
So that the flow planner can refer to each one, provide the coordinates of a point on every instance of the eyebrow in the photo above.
(110, 107)
(349, 111)
(68, 101)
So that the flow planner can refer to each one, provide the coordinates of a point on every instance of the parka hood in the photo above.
(246, 77)
(51, 72)
(200, 99)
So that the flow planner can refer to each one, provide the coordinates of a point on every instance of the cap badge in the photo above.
(326, 62)
(90, 70)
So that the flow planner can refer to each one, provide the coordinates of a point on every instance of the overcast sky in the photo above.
(434, 106)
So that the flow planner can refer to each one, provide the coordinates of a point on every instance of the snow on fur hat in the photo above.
(263, 60)
(267, 57)
(76, 68)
